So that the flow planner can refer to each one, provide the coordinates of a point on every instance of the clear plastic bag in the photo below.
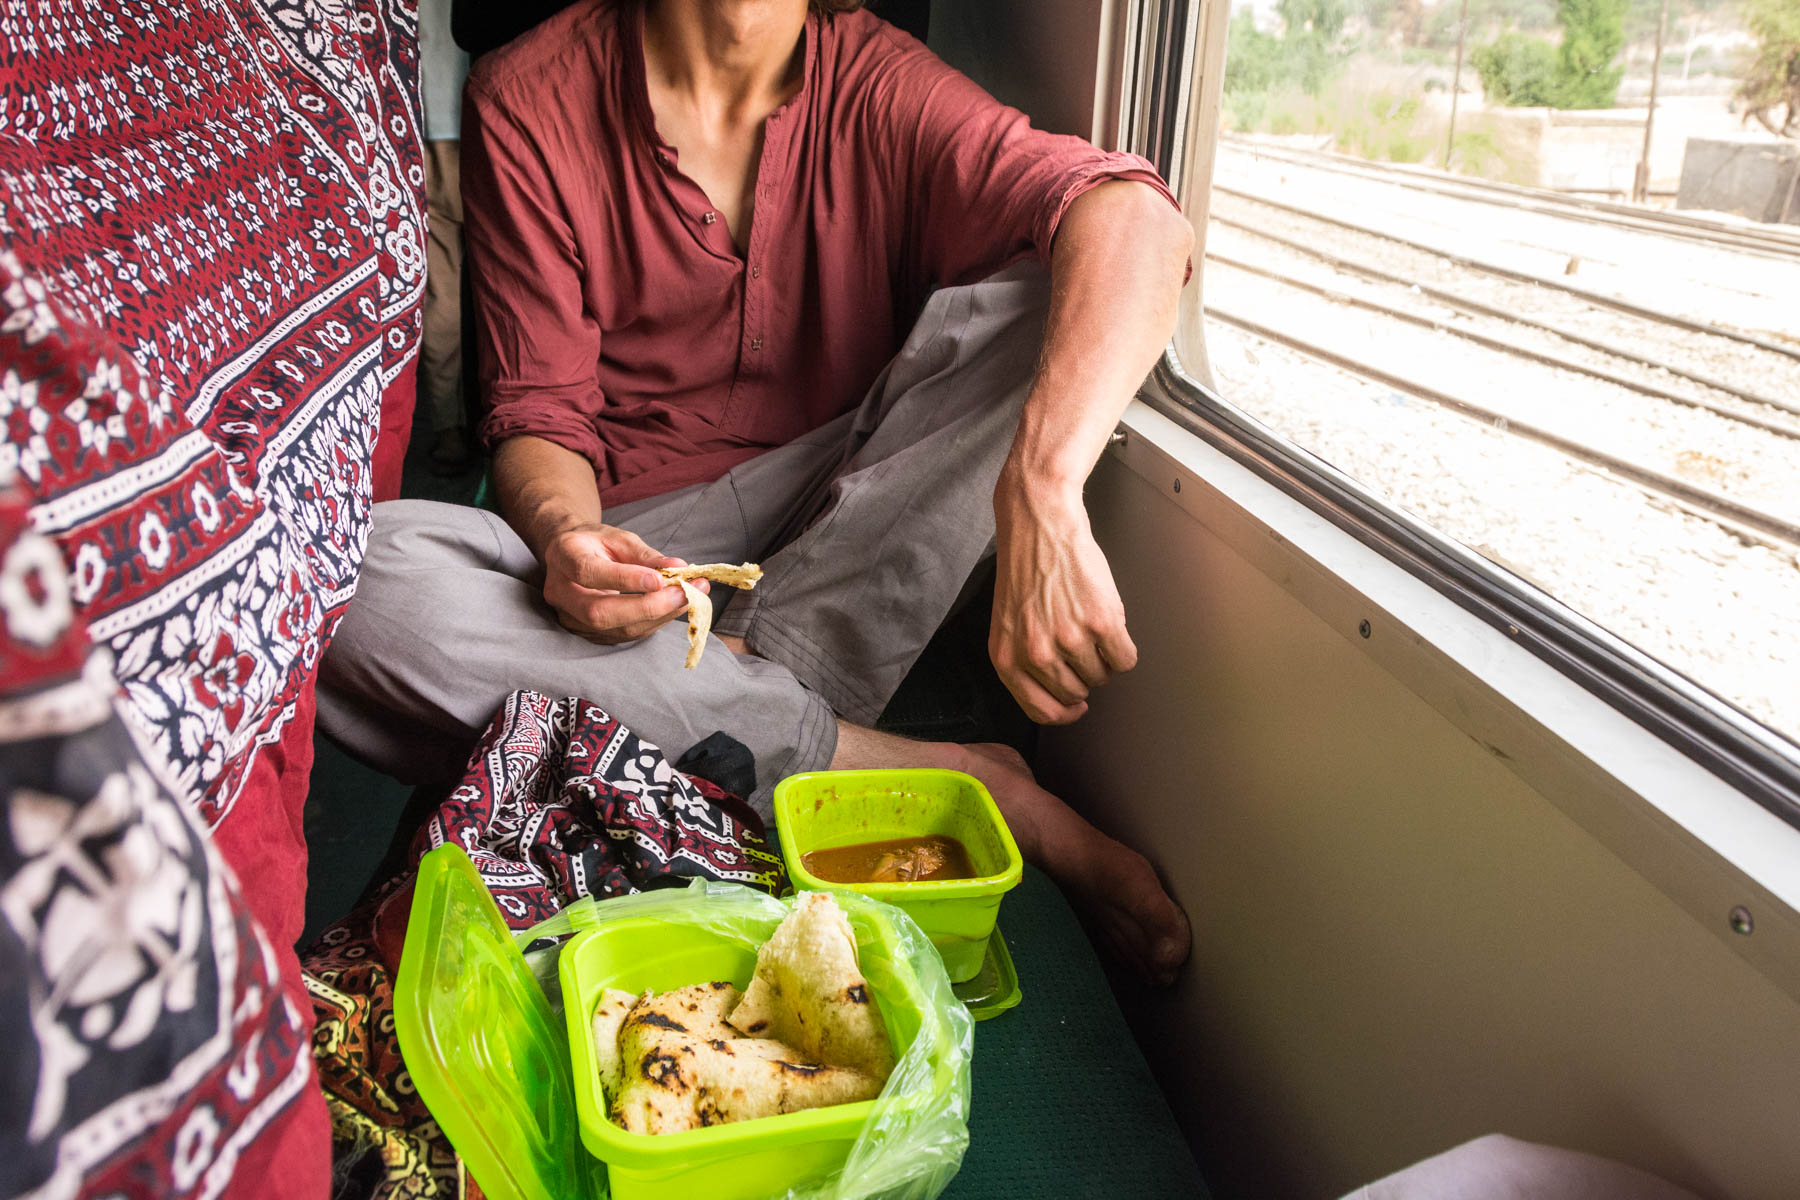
(912, 1144)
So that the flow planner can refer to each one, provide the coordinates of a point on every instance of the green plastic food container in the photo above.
(488, 1056)
(823, 810)
(746, 1160)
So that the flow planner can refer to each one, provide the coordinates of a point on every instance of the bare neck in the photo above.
(725, 57)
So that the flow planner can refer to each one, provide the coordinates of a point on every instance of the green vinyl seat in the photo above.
(1064, 1104)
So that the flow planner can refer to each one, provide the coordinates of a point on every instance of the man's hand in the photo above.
(1059, 627)
(1116, 270)
(603, 583)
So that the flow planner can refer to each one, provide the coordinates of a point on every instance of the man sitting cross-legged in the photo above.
(701, 230)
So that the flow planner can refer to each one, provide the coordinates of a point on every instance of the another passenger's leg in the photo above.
(1497, 1167)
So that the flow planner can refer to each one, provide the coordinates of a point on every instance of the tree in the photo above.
(1310, 35)
(1518, 70)
(1593, 36)
(1771, 90)
(1319, 18)
(1308, 52)
(1253, 61)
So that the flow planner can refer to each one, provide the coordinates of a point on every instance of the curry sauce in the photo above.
(897, 860)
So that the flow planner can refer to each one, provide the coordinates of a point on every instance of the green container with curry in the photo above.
(930, 842)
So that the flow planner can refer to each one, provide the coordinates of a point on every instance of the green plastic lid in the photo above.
(487, 1055)
(995, 989)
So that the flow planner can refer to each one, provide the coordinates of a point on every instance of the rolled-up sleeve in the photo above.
(982, 187)
(539, 346)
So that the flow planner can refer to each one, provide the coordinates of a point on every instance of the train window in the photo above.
(1507, 264)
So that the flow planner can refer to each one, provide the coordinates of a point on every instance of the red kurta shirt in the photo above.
(618, 319)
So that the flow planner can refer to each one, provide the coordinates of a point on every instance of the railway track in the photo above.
(1771, 243)
(1447, 299)
(1743, 520)
(1476, 308)
(1779, 428)
(1585, 295)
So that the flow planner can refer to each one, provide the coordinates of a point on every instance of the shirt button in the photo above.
(707, 218)
(756, 343)
(756, 272)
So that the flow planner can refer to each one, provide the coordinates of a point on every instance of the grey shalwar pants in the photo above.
(866, 528)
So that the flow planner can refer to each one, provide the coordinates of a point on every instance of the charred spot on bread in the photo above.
(719, 985)
(664, 1071)
(799, 1068)
(756, 1027)
(720, 1045)
(857, 993)
(656, 1020)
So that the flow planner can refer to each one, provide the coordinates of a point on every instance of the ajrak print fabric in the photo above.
(149, 1045)
(559, 801)
(213, 247)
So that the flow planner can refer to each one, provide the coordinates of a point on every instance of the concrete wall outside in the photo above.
(1748, 176)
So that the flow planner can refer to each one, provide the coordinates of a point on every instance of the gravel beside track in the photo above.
(1715, 452)
(1737, 364)
(1674, 407)
(1724, 611)
(1308, 264)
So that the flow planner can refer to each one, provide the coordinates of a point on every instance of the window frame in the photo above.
(1170, 92)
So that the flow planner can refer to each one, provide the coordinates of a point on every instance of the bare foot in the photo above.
(1119, 887)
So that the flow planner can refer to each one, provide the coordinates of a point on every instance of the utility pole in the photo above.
(1462, 28)
(1640, 184)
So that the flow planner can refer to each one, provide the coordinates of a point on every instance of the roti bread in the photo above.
(700, 611)
(682, 1067)
(615, 1005)
(699, 621)
(809, 992)
(737, 575)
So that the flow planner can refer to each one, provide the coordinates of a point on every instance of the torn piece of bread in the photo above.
(699, 621)
(700, 611)
(809, 992)
(609, 1018)
(737, 575)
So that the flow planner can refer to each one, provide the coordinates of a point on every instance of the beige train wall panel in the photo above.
(1399, 943)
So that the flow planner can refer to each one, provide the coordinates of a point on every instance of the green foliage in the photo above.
(1593, 36)
(1478, 152)
(1583, 72)
(1518, 70)
(1303, 19)
(1307, 54)
(1771, 88)
(1253, 59)
(1383, 123)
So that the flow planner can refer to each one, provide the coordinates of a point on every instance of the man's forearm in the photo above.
(1116, 274)
(544, 490)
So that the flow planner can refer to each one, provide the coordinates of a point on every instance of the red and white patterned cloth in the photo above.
(211, 261)
(149, 1045)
